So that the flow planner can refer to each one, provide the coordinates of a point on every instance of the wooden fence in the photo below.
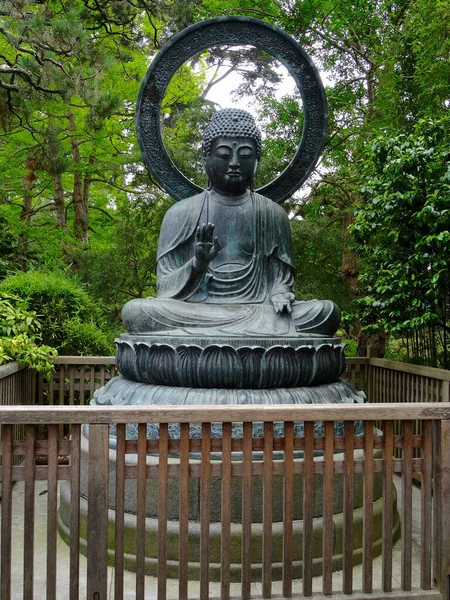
(338, 456)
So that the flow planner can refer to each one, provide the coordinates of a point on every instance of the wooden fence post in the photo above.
(372, 352)
(444, 472)
(97, 533)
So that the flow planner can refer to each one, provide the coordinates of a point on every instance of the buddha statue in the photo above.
(225, 258)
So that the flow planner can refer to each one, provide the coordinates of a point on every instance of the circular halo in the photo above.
(237, 31)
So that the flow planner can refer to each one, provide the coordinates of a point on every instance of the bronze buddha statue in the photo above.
(225, 258)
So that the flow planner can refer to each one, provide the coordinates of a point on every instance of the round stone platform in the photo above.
(236, 527)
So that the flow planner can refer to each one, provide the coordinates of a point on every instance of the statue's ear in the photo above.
(256, 167)
(205, 163)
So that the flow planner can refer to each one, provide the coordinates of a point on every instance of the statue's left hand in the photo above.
(283, 302)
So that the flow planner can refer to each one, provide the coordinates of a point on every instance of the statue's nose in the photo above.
(234, 162)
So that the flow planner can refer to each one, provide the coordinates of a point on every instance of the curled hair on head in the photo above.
(231, 122)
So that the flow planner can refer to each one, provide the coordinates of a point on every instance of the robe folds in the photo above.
(233, 296)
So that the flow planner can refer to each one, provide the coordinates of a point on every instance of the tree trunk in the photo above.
(377, 340)
(80, 207)
(350, 260)
(58, 200)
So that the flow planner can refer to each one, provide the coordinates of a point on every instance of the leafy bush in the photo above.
(70, 321)
(20, 336)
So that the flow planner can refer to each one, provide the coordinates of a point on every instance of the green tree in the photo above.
(402, 232)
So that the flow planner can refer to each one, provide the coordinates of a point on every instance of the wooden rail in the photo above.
(177, 457)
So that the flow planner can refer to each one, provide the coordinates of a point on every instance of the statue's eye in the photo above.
(246, 152)
(223, 152)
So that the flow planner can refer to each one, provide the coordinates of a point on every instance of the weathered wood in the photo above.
(387, 520)
(267, 511)
(308, 508)
(85, 360)
(407, 482)
(9, 369)
(444, 466)
(347, 584)
(97, 527)
(6, 506)
(92, 384)
(119, 562)
(184, 511)
(426, 521)
(28, 523)
(211, 414)
(52, 507)
(195, 445)
(396, 595)
(247, 512)
(437, 497)
(140, 512)
(205, 493)
(162, 510)
(327, 567)
(288, 513)
(75, 464)
(432, 372)
(368, 508)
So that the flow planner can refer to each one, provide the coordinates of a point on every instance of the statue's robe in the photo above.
(233, 296)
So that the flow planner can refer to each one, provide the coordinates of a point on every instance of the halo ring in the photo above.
(236, 31)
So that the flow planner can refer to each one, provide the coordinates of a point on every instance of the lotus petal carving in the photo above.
(224, 366)
(220, 366)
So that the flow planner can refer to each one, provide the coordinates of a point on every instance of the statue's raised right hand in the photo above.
(206, 247)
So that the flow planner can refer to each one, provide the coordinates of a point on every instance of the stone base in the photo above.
(120, 391)
(236, 514)
(151, 560)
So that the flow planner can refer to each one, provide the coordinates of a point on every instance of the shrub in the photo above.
(70, 321)
(20, 336)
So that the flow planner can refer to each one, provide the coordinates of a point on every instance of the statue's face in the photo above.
(231, 164)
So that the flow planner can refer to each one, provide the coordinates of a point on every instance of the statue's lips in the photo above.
(234, 174)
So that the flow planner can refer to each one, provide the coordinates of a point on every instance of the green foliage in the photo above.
(20, 336)
(402, 231)
(317, 241)
(70, 321)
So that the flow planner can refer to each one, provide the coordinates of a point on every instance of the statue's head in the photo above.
(231, 150)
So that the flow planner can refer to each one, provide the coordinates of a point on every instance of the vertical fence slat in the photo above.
(120, 513)
(184, 511)
(72, 385)
(82, 384)
(52, 505)
(7, 436)
(407, 505)
(308, 508)
(28, 534)
(92, 381)
(226, 513)
(97, 527)
(40, 399)
(75, 462)
(426, 501)
(205, 492)
(327, 567)
(368, 508)
(288, 507)
(349, 432)
(444, 466)
(437, 532)
(141, 506)
(267, 511)
(162, 509)
(247, 512)
(387, 519)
